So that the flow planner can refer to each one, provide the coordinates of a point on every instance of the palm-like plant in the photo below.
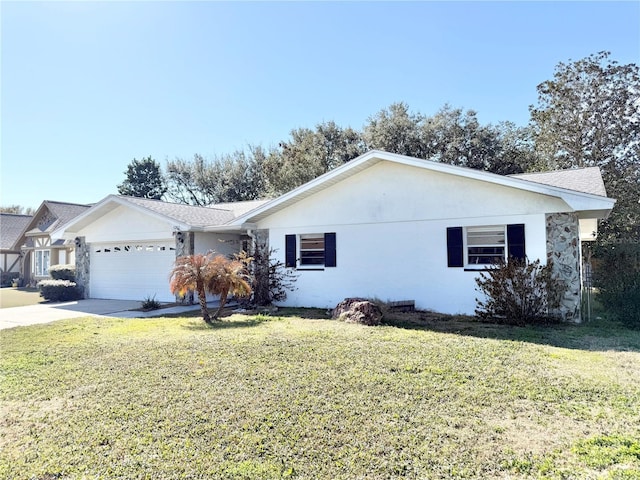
(228, 276)
(190, 273)
(210, 273)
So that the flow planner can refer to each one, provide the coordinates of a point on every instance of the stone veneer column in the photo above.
(185, 245)
(83, 265)
(563, 249)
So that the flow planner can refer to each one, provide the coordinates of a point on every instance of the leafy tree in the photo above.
(310, 153)
(228, 178)
(17, 210)
(589, 115)
(452, 136)
(396, 130)
(209, 273)
(144, 179)
(456, 137)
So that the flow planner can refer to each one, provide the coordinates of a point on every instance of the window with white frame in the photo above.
(477, 247)
(42, 260)
(312, 249)
(486, 245)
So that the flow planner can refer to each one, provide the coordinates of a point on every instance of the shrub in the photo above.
(518, 292)
(63, 272)
(8, 278)
(617, 276)
(270, 278)
(150, 303)
(59, 290)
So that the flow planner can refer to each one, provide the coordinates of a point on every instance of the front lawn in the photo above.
(290, 397)
(19, 297)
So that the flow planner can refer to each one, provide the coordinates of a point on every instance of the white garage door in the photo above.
(131, 271)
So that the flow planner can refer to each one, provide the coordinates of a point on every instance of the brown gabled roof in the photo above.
(586, 180)
(11, 228)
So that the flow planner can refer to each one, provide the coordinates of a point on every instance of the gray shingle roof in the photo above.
(189, 214)
(11, 228)
(586, 180)
(64, 212)
(240, 208)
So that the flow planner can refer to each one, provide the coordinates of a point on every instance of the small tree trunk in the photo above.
(202, 296)
(223, 301)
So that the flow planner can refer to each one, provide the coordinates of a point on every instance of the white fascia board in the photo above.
(578, 201)
(230, 228)
(317, 183)
(104, 206)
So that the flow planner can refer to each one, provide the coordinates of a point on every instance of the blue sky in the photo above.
(88, 86)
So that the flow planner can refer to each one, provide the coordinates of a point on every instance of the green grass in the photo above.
(291, 397)
(19, 297)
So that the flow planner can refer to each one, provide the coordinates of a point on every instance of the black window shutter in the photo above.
(515, 241)
(329, 249)
(455, 247)
(290, 251)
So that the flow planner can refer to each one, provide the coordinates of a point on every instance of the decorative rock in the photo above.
(358, 310)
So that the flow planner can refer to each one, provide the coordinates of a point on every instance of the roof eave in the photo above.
(578, 201)
(106, 205)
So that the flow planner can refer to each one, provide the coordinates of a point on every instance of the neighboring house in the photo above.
(11, 228)
(381, 226)
(39, 250)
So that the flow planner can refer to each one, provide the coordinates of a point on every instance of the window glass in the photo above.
(312, 249)
(42, 262)
(485, 245)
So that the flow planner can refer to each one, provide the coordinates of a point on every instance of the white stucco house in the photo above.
(381, 226)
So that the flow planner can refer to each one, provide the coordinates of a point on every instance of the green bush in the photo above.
(617, 276)
(63, 272)
(8, 278)
(59, 290)
(518, 292)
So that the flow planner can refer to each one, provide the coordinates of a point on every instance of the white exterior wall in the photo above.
(10, 262)
(222, 243)
(130, 276)
(390, 222)
(124, 224)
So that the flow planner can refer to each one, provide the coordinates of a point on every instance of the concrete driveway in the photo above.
(50, 312)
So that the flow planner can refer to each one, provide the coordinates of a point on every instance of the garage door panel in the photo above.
(132, 271)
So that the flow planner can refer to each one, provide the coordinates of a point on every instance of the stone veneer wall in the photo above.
(563, 249)
(83, 260)
(185, 245)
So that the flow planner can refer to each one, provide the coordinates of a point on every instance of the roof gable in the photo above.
(179, 216)
(50, 216)
(577, 200)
